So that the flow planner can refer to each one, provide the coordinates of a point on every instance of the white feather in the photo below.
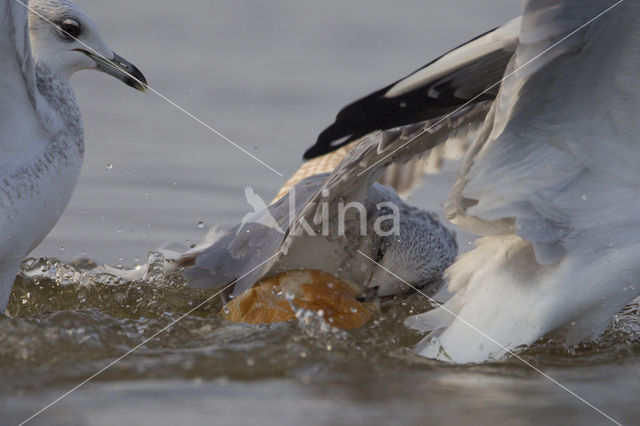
(554, 177)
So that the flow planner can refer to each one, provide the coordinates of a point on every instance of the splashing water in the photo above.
(67, 321)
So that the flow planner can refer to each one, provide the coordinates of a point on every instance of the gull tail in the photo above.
(503, 300)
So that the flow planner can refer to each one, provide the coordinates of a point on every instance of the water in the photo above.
(270, 76)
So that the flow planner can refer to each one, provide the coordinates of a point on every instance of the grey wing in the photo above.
(244, 257)
(15, 43)
(470, 73)
(405, 177)
(541, 167)
(20, 123)
(352, 178)
(467, 75)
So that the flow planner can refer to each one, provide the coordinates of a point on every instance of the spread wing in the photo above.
(245, 256)
(555, 170)
(20, 127)
(462, 74)
(468, 73)
(371, 156)
(551, 157)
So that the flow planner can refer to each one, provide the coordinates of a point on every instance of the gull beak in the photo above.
(119, 68)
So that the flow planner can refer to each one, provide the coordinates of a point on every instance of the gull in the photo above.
(43, 43)
(329, 218)
(551, 181)
(308, 203)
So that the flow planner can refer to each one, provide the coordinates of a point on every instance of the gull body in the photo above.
(551, 180)
(42, 142)
(407, 240)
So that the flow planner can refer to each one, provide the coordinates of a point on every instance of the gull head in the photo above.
(416, 258)
(67, 40)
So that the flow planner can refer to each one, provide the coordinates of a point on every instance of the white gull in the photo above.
(552, 180)
(42, 43)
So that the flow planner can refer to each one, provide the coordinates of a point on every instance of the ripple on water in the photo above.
(70, 320)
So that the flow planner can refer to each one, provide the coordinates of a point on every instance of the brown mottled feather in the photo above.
(403, 178)
(323, 164)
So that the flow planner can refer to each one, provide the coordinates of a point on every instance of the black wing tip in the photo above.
(326, 141)
(313, 152)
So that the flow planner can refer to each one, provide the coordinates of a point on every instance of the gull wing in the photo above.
(20, 122)
(246, 256)
(365, 163)
(468, 73)
(547, 144)
(552, 183)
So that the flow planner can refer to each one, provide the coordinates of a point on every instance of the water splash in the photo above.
(71, 319)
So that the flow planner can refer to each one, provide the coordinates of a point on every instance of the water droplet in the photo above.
(109, 166)
(201, 224)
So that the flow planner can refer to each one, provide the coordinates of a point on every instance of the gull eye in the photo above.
(71, 29)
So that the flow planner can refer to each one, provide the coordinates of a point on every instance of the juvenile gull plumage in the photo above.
(552, 180)
(420, 251)
(42, 140)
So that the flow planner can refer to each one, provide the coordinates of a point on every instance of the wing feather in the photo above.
(20, 103)
(440, 87)
(366, 162)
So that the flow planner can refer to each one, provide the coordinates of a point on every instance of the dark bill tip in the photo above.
(119, 68)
